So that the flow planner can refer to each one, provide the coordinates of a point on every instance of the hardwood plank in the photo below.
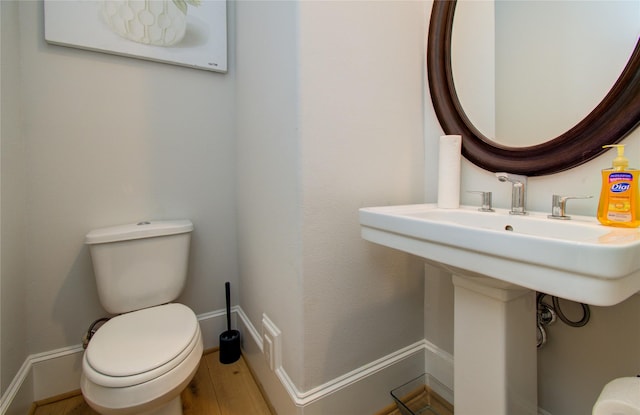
(235, 388)
(58, 397)
(389, 410)
(73, 405)
(200, 397)
(78, 406)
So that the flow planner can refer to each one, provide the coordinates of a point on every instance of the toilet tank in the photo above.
(140, 265)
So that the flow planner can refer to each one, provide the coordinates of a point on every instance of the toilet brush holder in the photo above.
(230, 339)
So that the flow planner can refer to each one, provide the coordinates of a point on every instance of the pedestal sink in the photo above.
(498, 261)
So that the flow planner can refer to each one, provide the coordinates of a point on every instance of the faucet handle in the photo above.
(486, 200)
(559, 204)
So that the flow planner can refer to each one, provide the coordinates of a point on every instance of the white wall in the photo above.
(268, 170)
(330, 116)
(13, 338)
(361, 68)
(105, 140)
(109, 140)
(329, 120)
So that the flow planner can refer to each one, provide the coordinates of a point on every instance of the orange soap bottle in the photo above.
(619, 198)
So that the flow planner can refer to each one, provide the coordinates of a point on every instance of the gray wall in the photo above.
(329, 120)
(13, 335)
(102, 140)
(330, 115)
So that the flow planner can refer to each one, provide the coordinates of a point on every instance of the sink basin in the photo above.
(497, 261)
(578, 259)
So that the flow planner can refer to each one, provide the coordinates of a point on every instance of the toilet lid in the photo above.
(142, 340)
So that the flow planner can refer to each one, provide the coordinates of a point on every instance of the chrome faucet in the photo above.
(518, 192)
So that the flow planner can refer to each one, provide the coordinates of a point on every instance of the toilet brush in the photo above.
(230, 339)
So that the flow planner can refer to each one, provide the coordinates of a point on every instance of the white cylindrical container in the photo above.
(619, 397)
(449, 159)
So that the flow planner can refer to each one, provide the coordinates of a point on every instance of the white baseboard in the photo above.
(377, 378)
(55, 372)
(304, 398)
(439, 364)
(19, 395)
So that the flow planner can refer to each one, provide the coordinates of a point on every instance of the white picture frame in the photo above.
(156, 30)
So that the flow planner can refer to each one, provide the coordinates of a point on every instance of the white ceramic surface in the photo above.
(578, 259)
(140, 265)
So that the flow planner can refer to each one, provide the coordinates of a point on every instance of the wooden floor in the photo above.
(216, 389)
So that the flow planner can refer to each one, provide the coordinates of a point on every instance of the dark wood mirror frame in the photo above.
(612, 120)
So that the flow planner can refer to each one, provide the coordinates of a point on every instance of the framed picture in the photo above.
(190, 33)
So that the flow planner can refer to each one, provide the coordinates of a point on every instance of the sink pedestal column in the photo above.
(495, 356)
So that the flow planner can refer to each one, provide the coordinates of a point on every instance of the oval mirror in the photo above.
(609, 122)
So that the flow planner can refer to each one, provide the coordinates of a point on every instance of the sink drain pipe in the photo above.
(546, 315)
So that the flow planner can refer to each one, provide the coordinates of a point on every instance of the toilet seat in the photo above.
(146, 397)
(139, 346)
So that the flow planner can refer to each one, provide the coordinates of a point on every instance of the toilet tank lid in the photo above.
(143, 229)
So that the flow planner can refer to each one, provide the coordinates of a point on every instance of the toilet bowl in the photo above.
(139, 362)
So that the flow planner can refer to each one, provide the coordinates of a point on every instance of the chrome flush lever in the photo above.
(559, 205)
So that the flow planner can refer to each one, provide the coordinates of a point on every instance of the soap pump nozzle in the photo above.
(620, 162)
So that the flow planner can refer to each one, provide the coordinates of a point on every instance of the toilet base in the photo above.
(173, 407)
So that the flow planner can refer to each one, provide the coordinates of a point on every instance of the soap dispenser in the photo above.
(619, 198)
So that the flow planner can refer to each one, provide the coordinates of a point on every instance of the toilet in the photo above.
(140, 361)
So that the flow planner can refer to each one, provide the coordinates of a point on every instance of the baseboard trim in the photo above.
(439, 364)
(304, 398)
(14, 387)
(212, 323)
(35, 369)
(255, 334)
(54, 354)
